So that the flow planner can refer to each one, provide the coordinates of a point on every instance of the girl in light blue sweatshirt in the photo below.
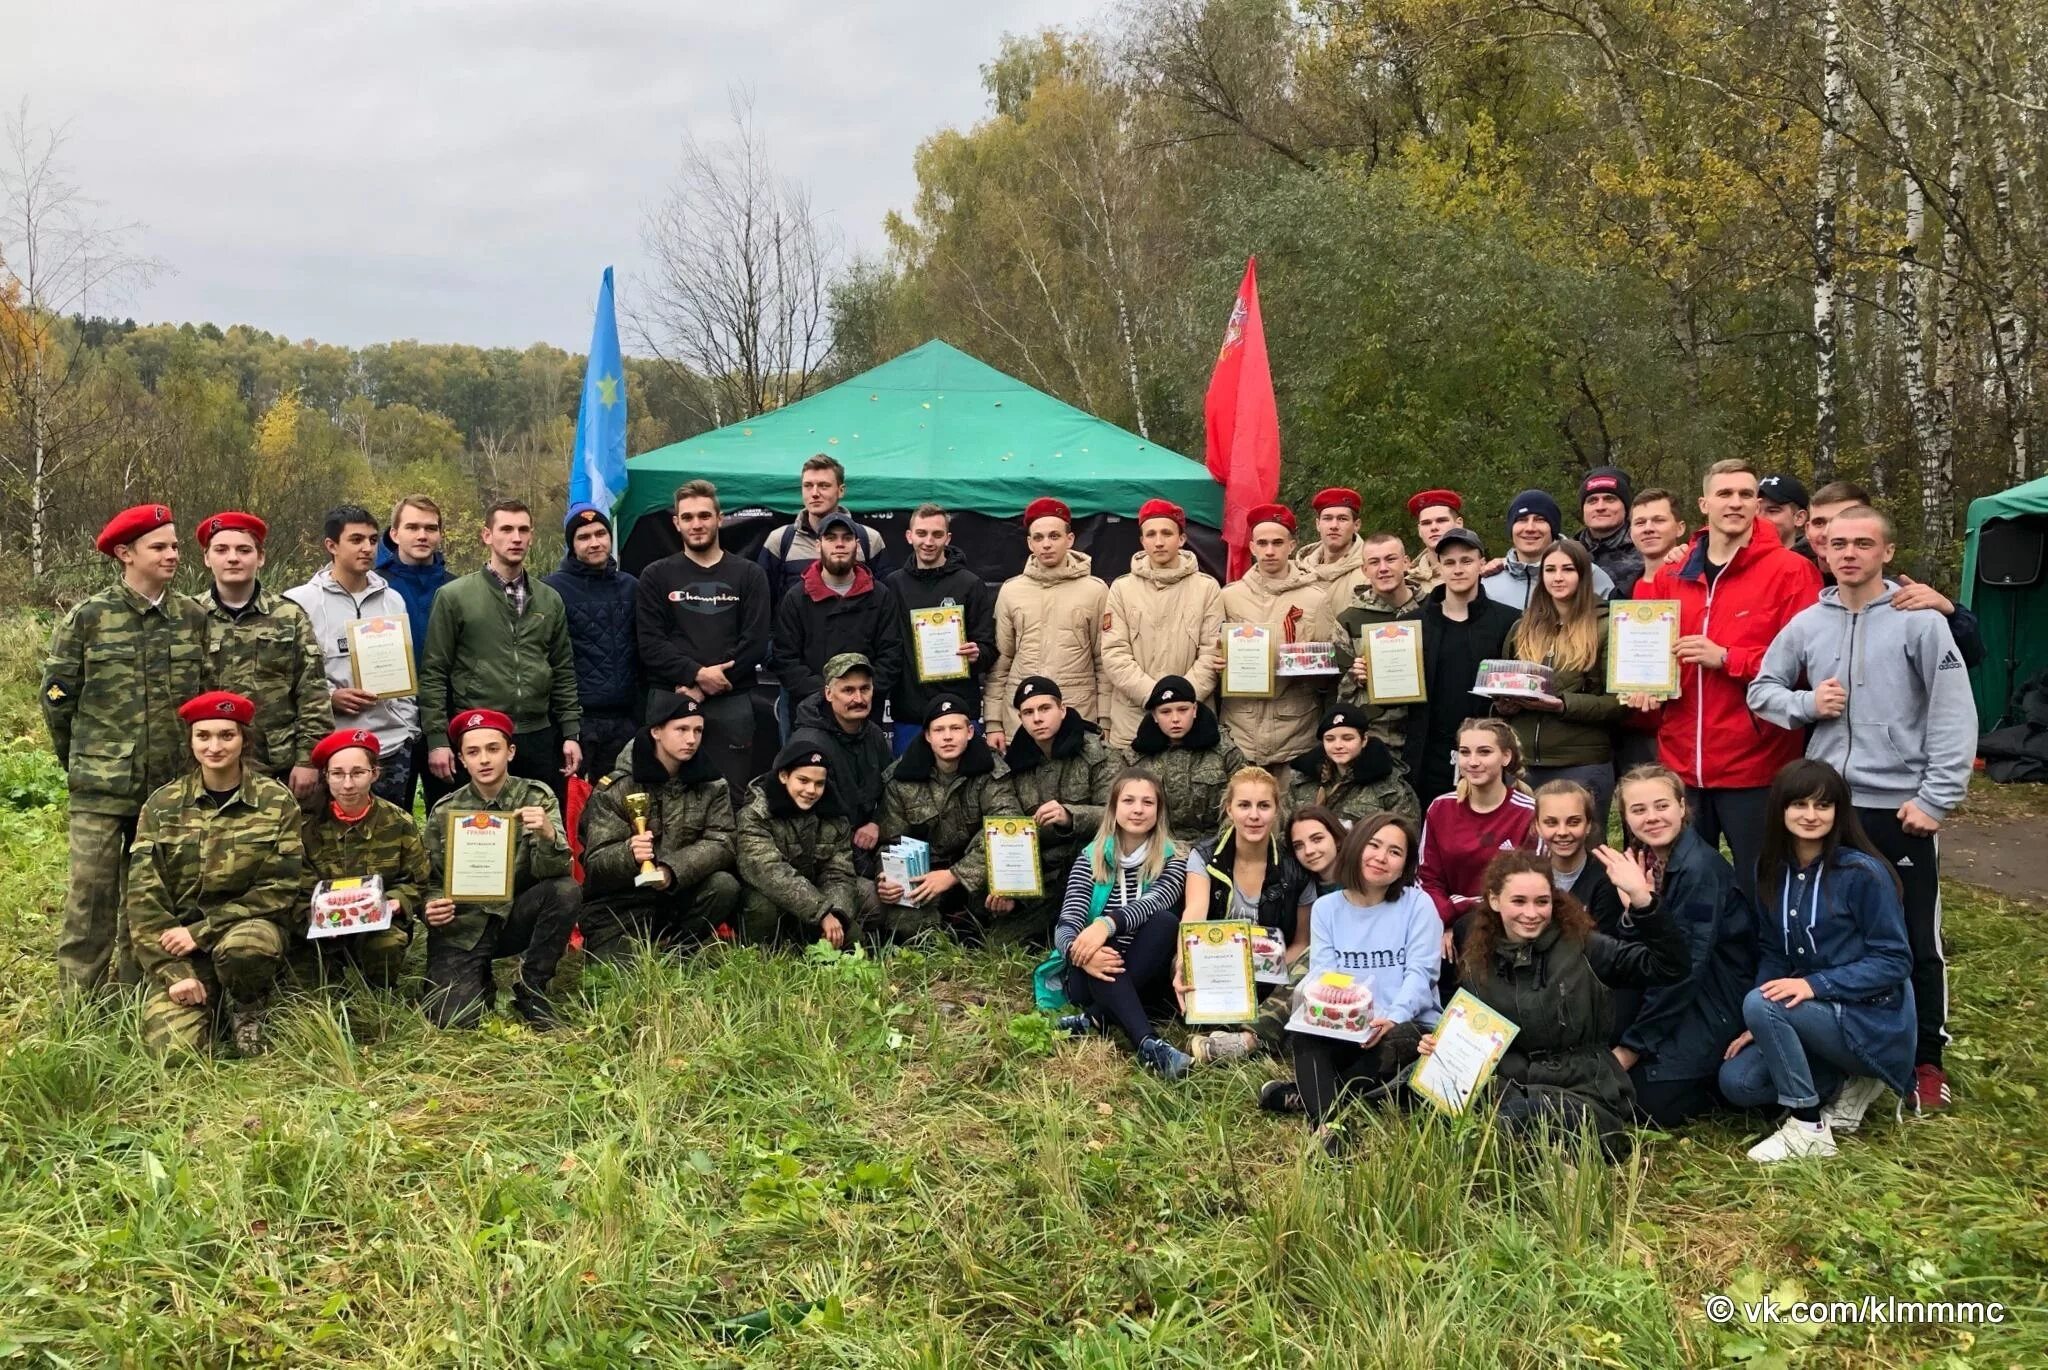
(1383, 932)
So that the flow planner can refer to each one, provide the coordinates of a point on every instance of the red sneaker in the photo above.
(1930, 1089)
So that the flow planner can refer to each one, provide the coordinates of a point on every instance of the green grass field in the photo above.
(749, 1160)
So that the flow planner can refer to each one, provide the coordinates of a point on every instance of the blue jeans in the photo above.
(1798, 1058)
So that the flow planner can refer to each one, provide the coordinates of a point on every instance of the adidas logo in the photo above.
(1905, 861)
(1950, 662)
(1506, 845)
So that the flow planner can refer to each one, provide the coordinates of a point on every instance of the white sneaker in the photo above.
(1795, 1139)
(1851, 1102)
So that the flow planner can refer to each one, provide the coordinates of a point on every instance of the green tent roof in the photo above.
(933, 424)
(2013, 620)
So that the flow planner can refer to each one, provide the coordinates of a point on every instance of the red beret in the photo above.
(1337, 497)
(131, 524)
(232, 521)
(1269, 513)
(1162, 509)
(1427, 499)
(341, 740)
(1046, 507)
(218, 704)
(478, 718)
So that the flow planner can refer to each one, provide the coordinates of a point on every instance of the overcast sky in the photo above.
(463, 170)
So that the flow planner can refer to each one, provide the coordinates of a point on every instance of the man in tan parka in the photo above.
(1284, 597)
(1048, 623)
(1337, 556)
(1159, 620)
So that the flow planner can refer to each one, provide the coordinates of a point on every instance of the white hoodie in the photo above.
(395, 721)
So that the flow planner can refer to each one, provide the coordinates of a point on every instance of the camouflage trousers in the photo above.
(764, 924)
(617, 926)
(239, 974)
(1028, 924)
(94, 937)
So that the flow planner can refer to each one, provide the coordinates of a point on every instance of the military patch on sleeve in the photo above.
(606, 783)
(56, 693)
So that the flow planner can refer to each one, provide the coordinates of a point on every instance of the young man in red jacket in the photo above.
(1735, 590)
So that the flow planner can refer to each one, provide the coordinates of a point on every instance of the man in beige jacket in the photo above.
(1338, 556)
(1048, 623)
(1159, 620)
(1435, 512)
(1283, 596)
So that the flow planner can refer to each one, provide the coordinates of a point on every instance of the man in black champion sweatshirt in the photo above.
(702, 618)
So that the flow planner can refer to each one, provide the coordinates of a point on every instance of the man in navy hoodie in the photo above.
(409, 558)
(599, 598)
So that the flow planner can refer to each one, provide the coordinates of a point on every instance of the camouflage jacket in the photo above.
(921, 801)
(1192, 775)
(1370, 784)
(382, 843)
(533, 860)
(269, 653)
(800, 861)
(1367, 608)
(207, 868)
(117, 670)
(1077, 774)
(689, 813)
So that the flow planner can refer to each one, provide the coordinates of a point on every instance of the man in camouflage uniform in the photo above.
(940, 791)
(1060, 772)
(1386, 595)
(1181, 743)
(354, 834)
(213, 880)
(464, 939)
(118, 668)
(689, 839)
(262, 646)
(796, 856)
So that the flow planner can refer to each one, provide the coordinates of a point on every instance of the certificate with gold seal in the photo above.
(1642, 647)
(1011, 848)
(1216, 966)
(380, 656)
(1248, 661)
(480, 856)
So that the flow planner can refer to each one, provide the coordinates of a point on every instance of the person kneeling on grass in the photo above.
(1533, 956)
(464, 939)
(1119, 923)
(213, 879)
(1350, 771)
(689, 838)
(796, 857)
(351, 834)
(940, 791)
(1383, 932)
(1180, 742)
(1060, 772)
(1833, 1011)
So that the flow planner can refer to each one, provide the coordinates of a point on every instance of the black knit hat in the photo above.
(1171, 689)
(795, 753)
(1607, 480)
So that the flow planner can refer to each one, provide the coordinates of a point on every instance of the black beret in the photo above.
(1032, 686)
(1171, 689)
(1343, 716)
(666, 708)
(946, 706)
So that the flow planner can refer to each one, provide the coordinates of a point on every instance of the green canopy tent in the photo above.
(2003, 583)
(933, 425)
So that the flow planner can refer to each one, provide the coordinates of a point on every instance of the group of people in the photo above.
(224, 757)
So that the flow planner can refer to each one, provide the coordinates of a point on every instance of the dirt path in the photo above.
(2006, 853)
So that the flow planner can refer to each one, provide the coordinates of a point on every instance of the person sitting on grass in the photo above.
(1533, 956)
(464, 939)
(1383, 932)
(1119, 924)
(1181, 742)
(1832, 1015)
(213, 881)
(1674, 1047)
(1350, 771)
(940, 791)
(1315, 835)
(353, 833)
(1244, 873)
(796, 857)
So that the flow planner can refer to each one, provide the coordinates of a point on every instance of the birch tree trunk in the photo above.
(1826, 303)
(1938, 460)
(2011, 345)
(1909, 280)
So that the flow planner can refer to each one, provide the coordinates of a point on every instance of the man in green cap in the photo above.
(839, 721)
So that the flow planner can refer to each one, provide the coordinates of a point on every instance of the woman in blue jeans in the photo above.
(1831, 1017)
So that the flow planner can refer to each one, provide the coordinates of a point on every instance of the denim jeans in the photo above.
(1799, 1056)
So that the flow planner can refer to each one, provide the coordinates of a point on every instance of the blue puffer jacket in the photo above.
(1683, 1029)
(600, 605)
(1840, 928)
(416, 585)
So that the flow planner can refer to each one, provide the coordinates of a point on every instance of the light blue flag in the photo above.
(597, 467)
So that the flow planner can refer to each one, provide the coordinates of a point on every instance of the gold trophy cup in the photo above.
(636, 809)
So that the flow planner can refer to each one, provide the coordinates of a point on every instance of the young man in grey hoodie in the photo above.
(1889, 700)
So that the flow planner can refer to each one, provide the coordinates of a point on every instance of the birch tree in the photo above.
(1826, 291)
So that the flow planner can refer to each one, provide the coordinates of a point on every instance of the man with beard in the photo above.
(599, 598)
(1181, 743)
(1161, 619)
(839, 721)
(940, 791)
(836, 606)
(1604, 503)
(937, 578)
(1060, 772)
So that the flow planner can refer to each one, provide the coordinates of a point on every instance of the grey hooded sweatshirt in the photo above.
(1910, 731)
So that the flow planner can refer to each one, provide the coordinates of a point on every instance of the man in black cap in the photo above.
(835, 606)
(940, 791)
(674, 882)
(1782, 500)
(1461, 627)
(1605, 496)
(839, 720)
(1181, 742)
(599, 598)
(1060, 771)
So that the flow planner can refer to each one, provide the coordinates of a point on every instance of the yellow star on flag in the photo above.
(607, 390)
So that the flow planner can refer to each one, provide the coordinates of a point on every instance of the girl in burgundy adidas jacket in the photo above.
(1487, 814)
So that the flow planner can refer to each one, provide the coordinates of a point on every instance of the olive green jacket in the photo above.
(947, 811)
(206, 868)
(800, 860)
(1365, 609)
(1077, 774)
(689, 813)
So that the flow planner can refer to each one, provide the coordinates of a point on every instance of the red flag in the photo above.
(1242, 421)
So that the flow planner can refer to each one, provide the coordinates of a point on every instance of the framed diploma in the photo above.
(1470, 1040)
(341, 907)
(1393, 662)
(380, 656)
(480, 856)
(1216, 964)
(939, 634)
(1011, 848)
(1248, 661)
(1642, 647)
